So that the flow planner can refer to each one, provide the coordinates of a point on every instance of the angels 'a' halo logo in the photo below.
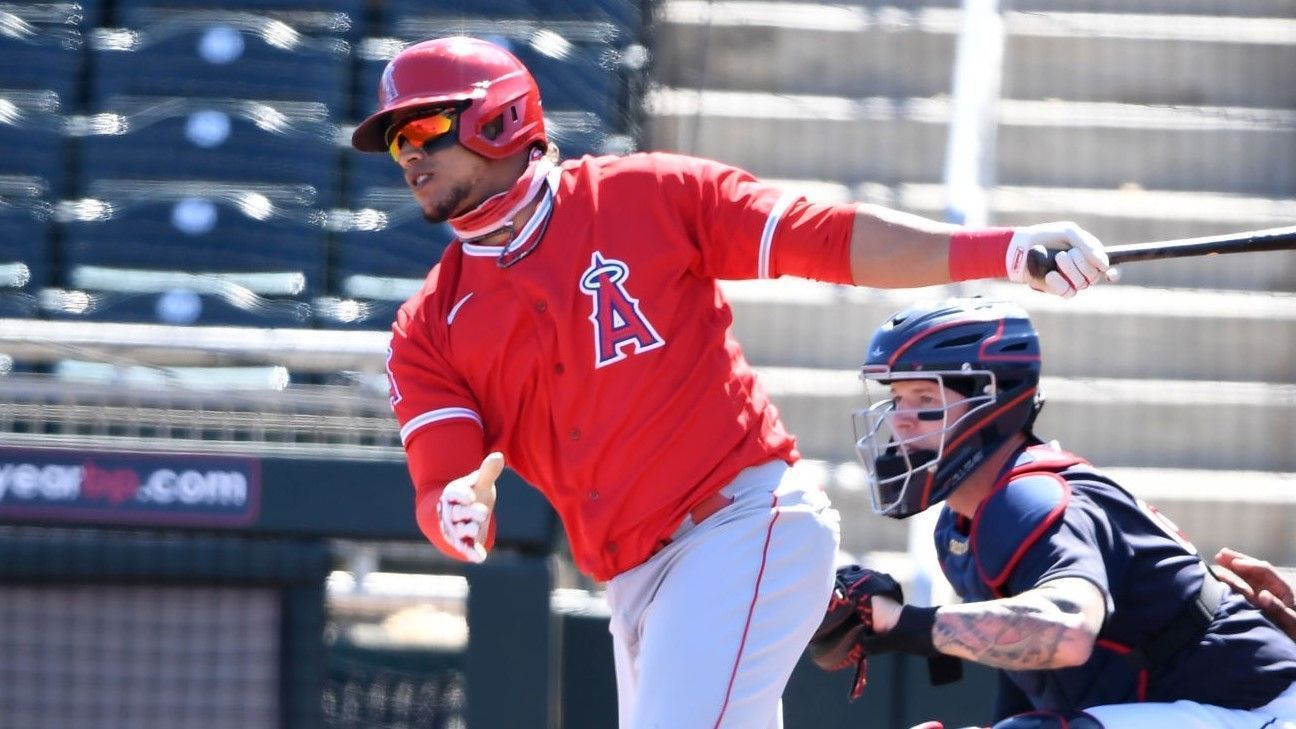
(618, 322)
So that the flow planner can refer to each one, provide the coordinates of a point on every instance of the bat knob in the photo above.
(1039, 262)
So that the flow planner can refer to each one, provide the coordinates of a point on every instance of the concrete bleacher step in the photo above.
(1040, 143)
(1220, 8)
(1124, 422)
(804, 136)
(1248, 510)
(1150, 58)
(1111, 331)
(806, 49)
(1105, 145)
(1116, 216)
(1227, 8)
(861, 50)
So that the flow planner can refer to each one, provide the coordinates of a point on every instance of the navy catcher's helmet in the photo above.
(987, 351)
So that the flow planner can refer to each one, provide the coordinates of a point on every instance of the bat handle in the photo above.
(1039, 261)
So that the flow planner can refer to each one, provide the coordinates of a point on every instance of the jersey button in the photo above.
(574, 433)
(559, 369)
(611, 547)
(540, 306)
(593, 495)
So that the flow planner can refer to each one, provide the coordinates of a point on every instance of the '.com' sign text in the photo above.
(134, 488)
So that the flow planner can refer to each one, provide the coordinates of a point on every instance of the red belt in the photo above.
(699, 513)
(708, 506)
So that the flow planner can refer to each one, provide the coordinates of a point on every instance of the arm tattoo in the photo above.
(1007, 634)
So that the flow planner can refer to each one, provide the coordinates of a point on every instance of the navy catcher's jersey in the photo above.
(1053, 515)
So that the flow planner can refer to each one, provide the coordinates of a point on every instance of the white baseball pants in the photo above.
(707, 631)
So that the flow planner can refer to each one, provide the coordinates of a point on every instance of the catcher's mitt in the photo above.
(836, 643)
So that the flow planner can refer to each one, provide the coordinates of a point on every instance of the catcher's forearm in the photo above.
(1039, 629)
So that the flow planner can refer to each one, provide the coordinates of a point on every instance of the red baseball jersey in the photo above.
(600, 360)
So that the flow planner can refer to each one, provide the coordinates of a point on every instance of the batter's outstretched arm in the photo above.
(894, 249)
(1053, 625)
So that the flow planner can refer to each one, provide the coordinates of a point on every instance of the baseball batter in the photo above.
(1094, 606)
(576, 330)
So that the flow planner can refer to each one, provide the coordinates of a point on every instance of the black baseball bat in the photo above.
(1039, 261)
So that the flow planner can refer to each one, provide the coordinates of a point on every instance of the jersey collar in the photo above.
(525, 240)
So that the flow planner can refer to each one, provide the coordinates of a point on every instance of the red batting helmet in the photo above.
(454, 71)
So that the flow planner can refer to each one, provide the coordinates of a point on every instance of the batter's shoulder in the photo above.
(646, 164)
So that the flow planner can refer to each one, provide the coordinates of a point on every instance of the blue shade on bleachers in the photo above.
(333, 312)
(221, 54)
(267, 239)
(384, 250)
(232, 140)
(352, 8)
(125, 116)
(386, 236)
(25, 215)
(41, 47)
(574, 77)
(626, 14)
(177, 305)
(32, 136)
(578, 133)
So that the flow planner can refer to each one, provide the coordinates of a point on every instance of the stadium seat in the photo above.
(196, 252)
(177, 305)
(578, 133)
(41, 47)
(25, 213)
(331, 312)
(32, 136)
(352, 8)
(232, 140)
(576, 65)
(294, 56)
(365, 170)
(626, 14)
(575, 77)
(385, 249)
(146, 236)
(386, 237)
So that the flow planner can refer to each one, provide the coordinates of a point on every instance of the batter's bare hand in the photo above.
(466, 506)
(1077, 254)
(1258, 581)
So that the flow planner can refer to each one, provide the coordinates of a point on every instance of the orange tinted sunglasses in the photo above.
(423, 130)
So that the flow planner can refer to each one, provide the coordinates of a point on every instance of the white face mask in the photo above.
(902, 437)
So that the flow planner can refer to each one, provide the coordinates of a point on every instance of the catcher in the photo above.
(1093, 606)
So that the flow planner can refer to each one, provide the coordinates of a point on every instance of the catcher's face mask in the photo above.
(905, 431)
